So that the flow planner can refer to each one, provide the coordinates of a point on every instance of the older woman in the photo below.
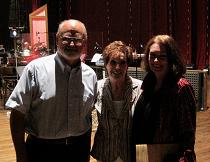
(117, 96)
(166, 110)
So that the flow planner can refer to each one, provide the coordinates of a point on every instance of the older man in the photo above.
(52, 102)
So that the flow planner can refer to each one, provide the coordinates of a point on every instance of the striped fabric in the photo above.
(112, 139)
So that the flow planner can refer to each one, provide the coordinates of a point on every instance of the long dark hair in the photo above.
(175, 61)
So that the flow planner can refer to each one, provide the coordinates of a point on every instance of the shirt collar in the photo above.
(63, 65)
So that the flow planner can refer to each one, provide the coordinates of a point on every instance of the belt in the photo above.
(61, 141)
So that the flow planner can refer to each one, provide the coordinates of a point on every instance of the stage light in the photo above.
(14, 33)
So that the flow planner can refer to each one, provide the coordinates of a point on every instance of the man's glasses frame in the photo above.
(76, 40)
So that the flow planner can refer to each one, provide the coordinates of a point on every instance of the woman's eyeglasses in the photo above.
(160, 57)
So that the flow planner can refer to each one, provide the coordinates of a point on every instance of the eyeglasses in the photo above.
(160, 57)
(76, 40)
(114, 63)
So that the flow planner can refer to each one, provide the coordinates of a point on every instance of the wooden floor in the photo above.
(202, 147)
(7, 153)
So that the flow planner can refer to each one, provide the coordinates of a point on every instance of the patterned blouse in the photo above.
(112, 138)
(166, 116)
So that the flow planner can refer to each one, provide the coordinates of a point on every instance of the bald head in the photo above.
(72, 25)
(71, 39)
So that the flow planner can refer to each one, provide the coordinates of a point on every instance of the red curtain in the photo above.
(4, 27)
(36, 4)
(135, 22)
(181, 27)
(202, 34)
